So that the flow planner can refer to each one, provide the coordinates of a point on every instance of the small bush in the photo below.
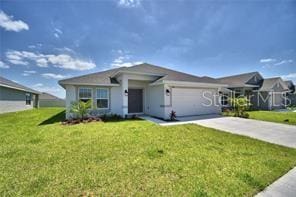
(244, 115)
(173, 115)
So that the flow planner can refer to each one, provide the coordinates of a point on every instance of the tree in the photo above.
(80, 108)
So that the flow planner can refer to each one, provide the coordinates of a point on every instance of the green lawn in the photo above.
(39, 156)
(272, 116)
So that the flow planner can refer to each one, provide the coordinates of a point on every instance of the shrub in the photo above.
(173, 115)
(240, 106)
(80, 108)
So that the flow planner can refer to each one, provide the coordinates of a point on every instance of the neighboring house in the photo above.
(144, 89)
(265, 94)
(48, 100)
(16, 97)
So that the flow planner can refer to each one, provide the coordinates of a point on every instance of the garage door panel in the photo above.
(189, 101)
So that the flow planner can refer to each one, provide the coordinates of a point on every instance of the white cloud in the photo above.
(283, 62)
(44, 60)
(123, 60)
(268, 60)
(126, 64)
(56, 35)
(9, 24)
(3, 65)
(54, 76)
(67, 62)
(28, 72)
(37, 85)
(291, 76)
(129, 3)
(65, 50)
(57, 32)
(35, 46)
(271, 63)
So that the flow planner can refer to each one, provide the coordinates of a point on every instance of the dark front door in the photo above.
(135, 100)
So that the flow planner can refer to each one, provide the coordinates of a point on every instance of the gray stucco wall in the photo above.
(12, 100)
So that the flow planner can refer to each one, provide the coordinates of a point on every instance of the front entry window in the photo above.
(28, 99)
(102, 98)
(85, 94)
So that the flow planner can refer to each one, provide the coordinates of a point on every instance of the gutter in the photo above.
(89, 84)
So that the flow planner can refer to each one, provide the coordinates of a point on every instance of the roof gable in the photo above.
(241, 79)
(273, 84)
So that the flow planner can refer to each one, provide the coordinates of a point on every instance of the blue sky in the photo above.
(42, 42)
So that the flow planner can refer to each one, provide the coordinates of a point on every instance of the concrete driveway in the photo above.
(267, 131)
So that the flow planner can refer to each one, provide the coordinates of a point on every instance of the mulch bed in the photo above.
(78, 121)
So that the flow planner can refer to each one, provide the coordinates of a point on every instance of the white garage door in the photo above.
(189, 101)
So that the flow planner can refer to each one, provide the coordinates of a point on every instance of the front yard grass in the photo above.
(272, 116)
(39, 156)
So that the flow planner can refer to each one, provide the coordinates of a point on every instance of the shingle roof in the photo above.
(11, 84)
(47, 96)
(105, 77)
(269, 83)
(238, 80)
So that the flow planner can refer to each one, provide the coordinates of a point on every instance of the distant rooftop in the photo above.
(13, 85)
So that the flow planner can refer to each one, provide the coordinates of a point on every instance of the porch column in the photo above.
(124, 86)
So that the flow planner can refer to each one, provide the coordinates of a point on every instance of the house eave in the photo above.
(21, 89)
(89, 84)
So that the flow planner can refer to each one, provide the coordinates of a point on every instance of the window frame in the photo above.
(108, 98)
(28, 95)
(91, 92)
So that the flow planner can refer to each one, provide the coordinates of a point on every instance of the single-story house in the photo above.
(16, 97)
(49, 100)
(144, 89)
(264, 94)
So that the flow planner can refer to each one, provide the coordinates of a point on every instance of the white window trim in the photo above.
(103, 98)
(85, 97)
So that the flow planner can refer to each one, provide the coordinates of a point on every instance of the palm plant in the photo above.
(80, 108)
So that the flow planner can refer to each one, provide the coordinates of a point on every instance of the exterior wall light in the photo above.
(125, 92)
(167, 91)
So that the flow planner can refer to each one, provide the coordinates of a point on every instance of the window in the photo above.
(237, 93)
(102, 98)
(85, 94)
(28, 99)
(224, 99)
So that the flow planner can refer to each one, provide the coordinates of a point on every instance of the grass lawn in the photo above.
(271, 116)
(39, 156)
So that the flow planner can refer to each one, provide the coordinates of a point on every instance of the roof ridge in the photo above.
(170, 70)
(237, 75)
